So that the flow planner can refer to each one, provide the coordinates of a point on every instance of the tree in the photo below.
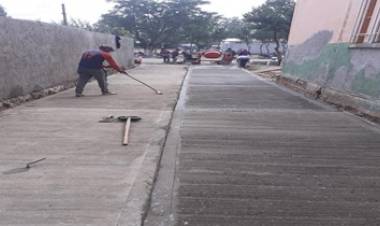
(232, 26)
(144, 19)
(2, 11)
(245, 34)
(237, 28)
(265, 39)
(192, 24)
(219, 32)
(273, 17)
(82, 25)
(154, 24)
(203, 30)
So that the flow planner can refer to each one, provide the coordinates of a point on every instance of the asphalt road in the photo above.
(244, 152)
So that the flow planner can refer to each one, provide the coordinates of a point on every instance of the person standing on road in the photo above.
(175, 54)
(243, 58)
(91, 65)
(165, 54)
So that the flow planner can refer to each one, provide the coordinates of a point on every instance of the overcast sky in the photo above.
(91, 10)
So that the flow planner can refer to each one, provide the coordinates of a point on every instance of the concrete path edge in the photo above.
(138, 201)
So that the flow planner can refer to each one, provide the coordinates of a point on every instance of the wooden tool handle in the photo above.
(126, 131)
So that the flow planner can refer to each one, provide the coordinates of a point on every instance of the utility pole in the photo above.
(64, 22)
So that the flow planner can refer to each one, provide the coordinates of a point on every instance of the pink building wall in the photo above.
(312, 16)
(326, 54)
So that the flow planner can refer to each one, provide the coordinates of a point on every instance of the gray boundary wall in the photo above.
(36, 56)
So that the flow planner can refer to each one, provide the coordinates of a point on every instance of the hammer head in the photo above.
(123, 118)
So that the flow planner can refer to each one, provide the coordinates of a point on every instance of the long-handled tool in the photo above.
(127, 126)
(126, 131)
(23, 169)
(158, 92)
(30, 164)
(127, 120)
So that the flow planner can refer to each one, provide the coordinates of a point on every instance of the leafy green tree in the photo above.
(219, 32)
(203, 30)
(154, 23)
(111, 24)
(193, 25)
(232, 27)
(2, 11)
(273, 18)
(245, 34)
(237, 28)
(82, 25)
(144, 19)
(264, 37)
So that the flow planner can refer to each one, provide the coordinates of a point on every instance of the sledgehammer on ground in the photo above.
(127, 120)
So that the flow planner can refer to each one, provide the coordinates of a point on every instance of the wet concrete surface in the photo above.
(244, 152)
(88, 178)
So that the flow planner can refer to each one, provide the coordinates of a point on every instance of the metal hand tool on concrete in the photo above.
(30, 164)
(158, 92)
(23, 169)
(127, 120)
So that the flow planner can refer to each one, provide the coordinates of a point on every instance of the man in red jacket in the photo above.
(91, 65)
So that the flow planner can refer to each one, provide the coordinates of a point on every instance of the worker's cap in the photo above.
(106, 48)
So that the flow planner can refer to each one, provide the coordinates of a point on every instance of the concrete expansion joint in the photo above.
(163, 145)
(167, 146)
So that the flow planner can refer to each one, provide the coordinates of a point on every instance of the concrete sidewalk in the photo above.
(245, 152)
(88, 178)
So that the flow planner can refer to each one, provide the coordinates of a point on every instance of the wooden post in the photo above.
(64, 22)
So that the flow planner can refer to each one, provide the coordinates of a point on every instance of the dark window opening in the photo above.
(366, 21)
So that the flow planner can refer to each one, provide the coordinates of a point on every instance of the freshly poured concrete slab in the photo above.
(245, 152)
(88, 177)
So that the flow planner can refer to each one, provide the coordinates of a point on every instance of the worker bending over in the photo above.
(91, 65)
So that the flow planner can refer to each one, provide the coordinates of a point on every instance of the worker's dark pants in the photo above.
(166, 59)
(243, 62)
(86, 74)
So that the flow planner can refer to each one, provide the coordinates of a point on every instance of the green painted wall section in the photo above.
(331, 58)
(364, 85)
(325, 68)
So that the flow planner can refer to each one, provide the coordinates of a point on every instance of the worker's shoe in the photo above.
(108, 93)
(79, 95)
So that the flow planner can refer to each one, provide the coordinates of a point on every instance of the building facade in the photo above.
(336, 45)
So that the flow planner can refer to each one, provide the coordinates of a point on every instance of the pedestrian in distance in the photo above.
(175, 54)
(228, 56)
(91, 65)
(165, 54)
(243, 58)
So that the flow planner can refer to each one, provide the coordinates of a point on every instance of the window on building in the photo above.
(377, 30)
(367, 22)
